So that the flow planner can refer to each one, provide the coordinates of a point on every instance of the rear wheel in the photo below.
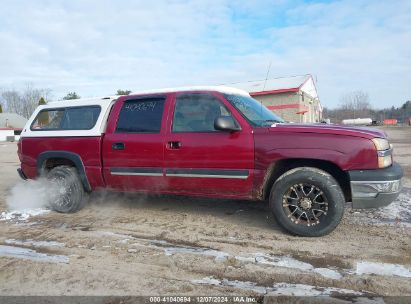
(67, 192)
(307, 201)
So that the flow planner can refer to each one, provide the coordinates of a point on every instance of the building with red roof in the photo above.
(293, 98)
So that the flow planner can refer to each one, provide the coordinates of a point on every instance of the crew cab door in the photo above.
(202, 160)
(133, 146)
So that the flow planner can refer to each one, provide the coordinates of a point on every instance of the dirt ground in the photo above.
(163, 245)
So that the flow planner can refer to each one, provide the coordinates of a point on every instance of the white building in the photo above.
(11, 125)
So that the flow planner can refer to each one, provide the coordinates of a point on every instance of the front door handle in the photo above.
(174, 145)
(118, 146)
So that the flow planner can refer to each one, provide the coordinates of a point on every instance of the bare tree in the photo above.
(24, 102)
(11, 100)
(355, 104)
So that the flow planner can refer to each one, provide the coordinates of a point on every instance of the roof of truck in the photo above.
(81, 102)
(108, 99)
(220, 88)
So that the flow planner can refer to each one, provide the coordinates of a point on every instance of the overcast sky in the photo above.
(96, 47)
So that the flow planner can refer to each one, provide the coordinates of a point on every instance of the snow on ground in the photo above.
(328, 273)
(281, 261)
(34, 243)
(237, 284)
(168, 248)
(398, 213)
(30, 254)
(384, 269)
(257, 258)
(363, 267)
(218, 255)
(21, 215)
(284, 289)
(289, 262)
(299, 290)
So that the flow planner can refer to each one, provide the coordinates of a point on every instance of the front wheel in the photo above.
(307, 202)
(67, 194)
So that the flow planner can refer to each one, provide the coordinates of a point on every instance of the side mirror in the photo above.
(226, 123)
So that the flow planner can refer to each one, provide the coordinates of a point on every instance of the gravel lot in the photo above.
(162, 245)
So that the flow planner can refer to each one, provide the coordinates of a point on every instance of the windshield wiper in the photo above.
(273, 121)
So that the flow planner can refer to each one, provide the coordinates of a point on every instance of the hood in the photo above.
(328, 129)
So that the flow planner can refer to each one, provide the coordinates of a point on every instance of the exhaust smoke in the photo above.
(28, 198)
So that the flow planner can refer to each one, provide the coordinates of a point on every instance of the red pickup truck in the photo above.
(208, 141)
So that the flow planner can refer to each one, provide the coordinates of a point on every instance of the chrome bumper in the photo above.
(375, 188)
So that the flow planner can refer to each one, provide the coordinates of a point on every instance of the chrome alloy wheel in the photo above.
(305, 204)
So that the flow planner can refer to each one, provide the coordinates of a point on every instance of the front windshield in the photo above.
(255, 112)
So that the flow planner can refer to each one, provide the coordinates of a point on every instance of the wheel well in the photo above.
(55, 162)
(285, 165)
(51, 159)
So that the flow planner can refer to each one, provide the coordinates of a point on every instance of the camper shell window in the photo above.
(70, 118)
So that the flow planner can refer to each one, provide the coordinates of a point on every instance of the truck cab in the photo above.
(209, 141)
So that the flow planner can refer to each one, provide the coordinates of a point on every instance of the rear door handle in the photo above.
(118, 146)
(174, 145)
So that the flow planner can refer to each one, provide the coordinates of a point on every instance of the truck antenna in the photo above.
(265, 81)
(266, 76)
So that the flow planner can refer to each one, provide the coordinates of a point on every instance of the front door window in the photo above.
(197, 112)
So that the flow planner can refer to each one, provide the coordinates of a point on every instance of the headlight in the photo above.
(381, 144)
(384, 152)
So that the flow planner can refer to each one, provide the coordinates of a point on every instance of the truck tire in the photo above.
(67, 192)
(307, 201)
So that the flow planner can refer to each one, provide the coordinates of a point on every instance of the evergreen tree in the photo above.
(123, 92)
(43, 116)
(71, 95)
(42, 101)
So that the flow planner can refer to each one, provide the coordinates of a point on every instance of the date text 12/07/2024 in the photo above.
(204, 299)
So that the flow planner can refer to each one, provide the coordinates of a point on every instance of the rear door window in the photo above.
(143, 115)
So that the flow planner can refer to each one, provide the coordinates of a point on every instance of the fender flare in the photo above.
(75, 158)
(333, 157)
